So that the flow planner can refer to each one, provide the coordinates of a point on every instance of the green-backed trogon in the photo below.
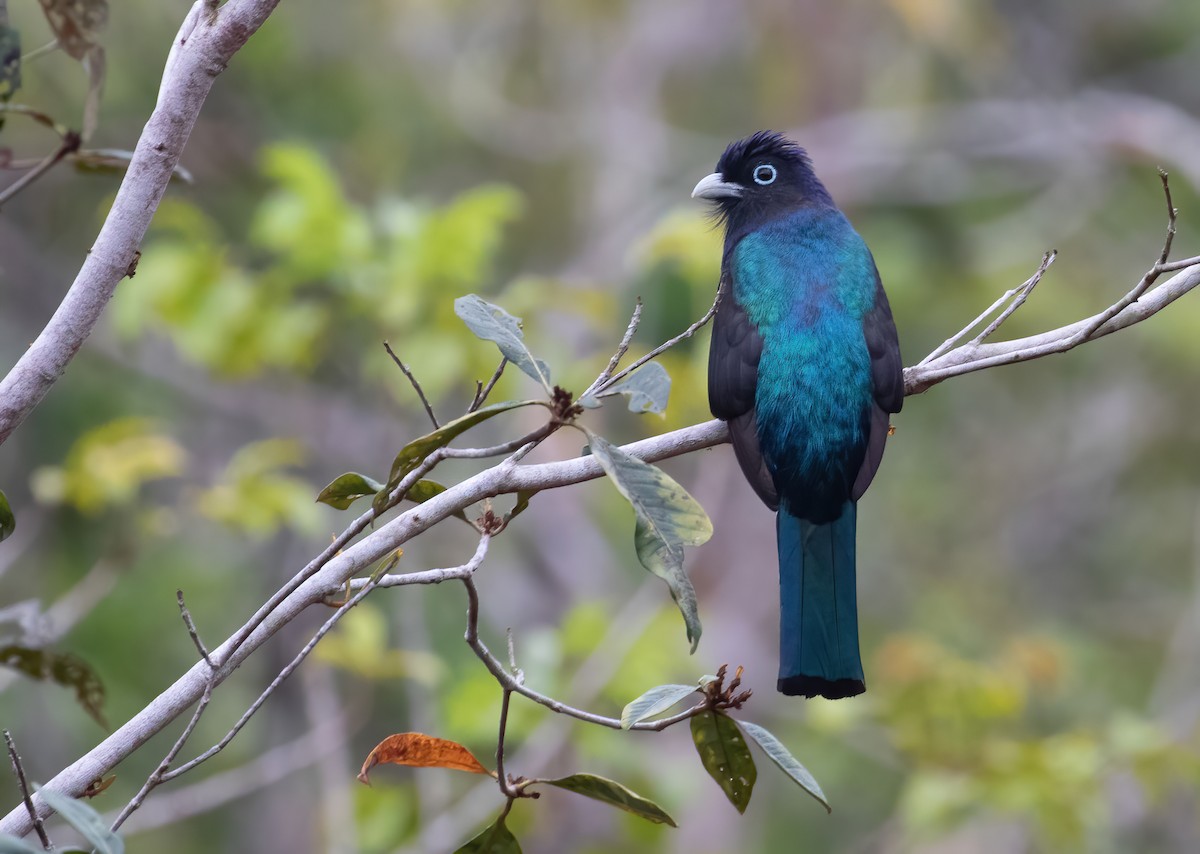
(805, 368)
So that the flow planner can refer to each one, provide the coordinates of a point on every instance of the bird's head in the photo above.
(759, 177)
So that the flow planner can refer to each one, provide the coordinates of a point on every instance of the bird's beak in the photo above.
(715, 186)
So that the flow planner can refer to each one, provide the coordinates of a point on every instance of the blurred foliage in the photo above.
(108, 465)
(1028, 584)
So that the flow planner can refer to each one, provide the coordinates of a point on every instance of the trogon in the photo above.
(805, 368)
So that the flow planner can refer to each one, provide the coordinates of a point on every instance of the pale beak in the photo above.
(715, 186)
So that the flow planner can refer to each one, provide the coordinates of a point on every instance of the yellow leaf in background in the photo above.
(108, 465)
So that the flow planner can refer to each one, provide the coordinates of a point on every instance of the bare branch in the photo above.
(201, 50)
(191, 627)
(70, 144)
(482, 391)
(661, 348)
(19, 773)
(416, 385)
(621, 350)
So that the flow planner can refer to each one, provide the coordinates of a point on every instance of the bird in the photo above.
(805, 368)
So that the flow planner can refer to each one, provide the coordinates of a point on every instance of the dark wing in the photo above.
(732, 382)
(887, 383)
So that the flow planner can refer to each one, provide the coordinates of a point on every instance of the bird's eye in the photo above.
(764, 174)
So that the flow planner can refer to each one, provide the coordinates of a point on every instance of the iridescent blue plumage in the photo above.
(805, 366)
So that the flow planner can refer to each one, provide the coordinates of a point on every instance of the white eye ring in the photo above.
(764, 174)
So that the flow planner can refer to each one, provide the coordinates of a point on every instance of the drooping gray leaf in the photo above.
(86, 820)
(492, 323)
(13, 845)
(649, 389)
(667, 520)
(787, 763)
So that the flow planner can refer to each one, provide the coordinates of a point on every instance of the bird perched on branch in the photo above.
(805, 367)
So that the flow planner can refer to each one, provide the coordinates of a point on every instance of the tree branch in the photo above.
(205, 42)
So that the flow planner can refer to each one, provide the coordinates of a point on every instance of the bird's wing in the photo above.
(887, 383)
(732, 382)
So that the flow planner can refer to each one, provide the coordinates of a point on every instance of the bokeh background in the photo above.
(1028, 555)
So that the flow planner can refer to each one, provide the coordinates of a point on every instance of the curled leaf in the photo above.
(421, 751)
(86, 820)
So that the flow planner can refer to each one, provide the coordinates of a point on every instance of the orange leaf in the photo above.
(422, 751)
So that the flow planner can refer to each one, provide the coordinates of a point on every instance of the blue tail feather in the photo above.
(818, 624)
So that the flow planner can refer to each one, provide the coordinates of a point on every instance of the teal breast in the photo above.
(806, 282)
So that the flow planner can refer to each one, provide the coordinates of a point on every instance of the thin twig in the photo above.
(70, 143)
(511, 683)
(159, 775)
(191, 627)
(1022, 294)
(621, 350)
(662, 348)
(482, 391)
(23, 784)
(1172, 216)
(39, 52)
(275, 683)
(506, 786)
(416, 385)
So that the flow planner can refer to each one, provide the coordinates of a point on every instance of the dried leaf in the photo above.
(421, 751)
(76, 23)
(61, 668)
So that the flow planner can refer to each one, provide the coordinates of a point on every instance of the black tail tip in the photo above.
(816, 686)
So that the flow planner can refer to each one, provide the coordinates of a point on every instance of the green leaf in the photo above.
(649, 389)
(667, 520)
(414, 452)
(613, 793)
(494, 839)
(61, 668)
(523, 496)
(10, 64)
(787, 763)
(653, 702)
(86, 820)
(725, 756)
(13, 845)
(8, 522)
(492, 323)
(347, 488)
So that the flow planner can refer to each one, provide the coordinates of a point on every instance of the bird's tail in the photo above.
(818, 618)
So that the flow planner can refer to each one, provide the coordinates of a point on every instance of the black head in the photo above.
(760, 177)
